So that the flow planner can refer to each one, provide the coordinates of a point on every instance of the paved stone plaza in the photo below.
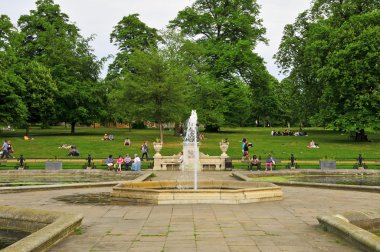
(287, 225)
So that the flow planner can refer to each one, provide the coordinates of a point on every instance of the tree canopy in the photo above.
(129, 35)
(331, 54)
(226, 33)
(51, 40)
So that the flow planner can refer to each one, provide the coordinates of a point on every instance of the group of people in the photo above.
(255, 161)
(73, 150)
(107, 137)
(127, 162)
(7, 149)
(269, 162)
(288, 133)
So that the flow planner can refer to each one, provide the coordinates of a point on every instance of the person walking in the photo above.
(245, 149)
(10, 149)
(145, 151)
(4, 149)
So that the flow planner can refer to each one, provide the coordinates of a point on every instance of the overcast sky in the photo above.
(100, 16)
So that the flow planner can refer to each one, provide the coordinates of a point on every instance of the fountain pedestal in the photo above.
(189, 152)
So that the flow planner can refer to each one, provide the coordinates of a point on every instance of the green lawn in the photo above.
(88, 140)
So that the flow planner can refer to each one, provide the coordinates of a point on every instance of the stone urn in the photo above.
(157, 147)
(224, 147)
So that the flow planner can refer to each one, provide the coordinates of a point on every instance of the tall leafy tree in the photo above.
(12, 107)
(155, 90)
(50, 39)
(331, 53)
(40, 93)
(227, 32)
(129, 35)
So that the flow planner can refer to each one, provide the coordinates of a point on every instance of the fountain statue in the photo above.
(191, 147)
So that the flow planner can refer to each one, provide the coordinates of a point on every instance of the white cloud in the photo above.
(100, 16)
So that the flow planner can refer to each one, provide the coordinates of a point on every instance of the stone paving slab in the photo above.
(287, 225)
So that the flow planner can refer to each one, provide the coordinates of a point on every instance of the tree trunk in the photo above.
(161, 133)
(73, 128)
(27, 129)
(178, 129)
(361, 136)
(212, 128)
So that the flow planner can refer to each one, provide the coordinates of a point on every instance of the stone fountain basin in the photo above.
(182, 192)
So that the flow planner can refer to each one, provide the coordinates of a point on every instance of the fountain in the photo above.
(191, 191)
(191, 147)
(193, 160)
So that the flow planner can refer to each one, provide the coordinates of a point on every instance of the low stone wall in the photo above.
(355, 227)
(47, 227)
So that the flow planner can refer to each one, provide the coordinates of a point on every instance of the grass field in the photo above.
(333, 145)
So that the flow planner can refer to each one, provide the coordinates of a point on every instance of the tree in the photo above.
(331, 54)
(49, 38)
(130, 34)
(227, 33)
(155, 90)
(40, 94)
(12, 107)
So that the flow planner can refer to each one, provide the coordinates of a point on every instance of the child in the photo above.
(270, 161)
(119, 162)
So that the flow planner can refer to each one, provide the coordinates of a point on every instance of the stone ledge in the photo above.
(208, 192)
(56, 226)
(343, 225)
(19, 189)
(241, 176)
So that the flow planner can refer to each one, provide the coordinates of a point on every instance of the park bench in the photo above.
(258, 166)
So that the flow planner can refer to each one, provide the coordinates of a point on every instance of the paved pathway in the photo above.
(287, 225)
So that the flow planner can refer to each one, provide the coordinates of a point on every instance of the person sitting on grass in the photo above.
(65, 146)
(73, 151)
(312, 145)
(105, 137)
(127, 142)
(109, 162)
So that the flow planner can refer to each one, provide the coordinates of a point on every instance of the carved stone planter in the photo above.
(157, 147)
(224, 147)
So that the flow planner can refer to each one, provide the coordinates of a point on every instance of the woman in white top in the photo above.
(136, 166)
